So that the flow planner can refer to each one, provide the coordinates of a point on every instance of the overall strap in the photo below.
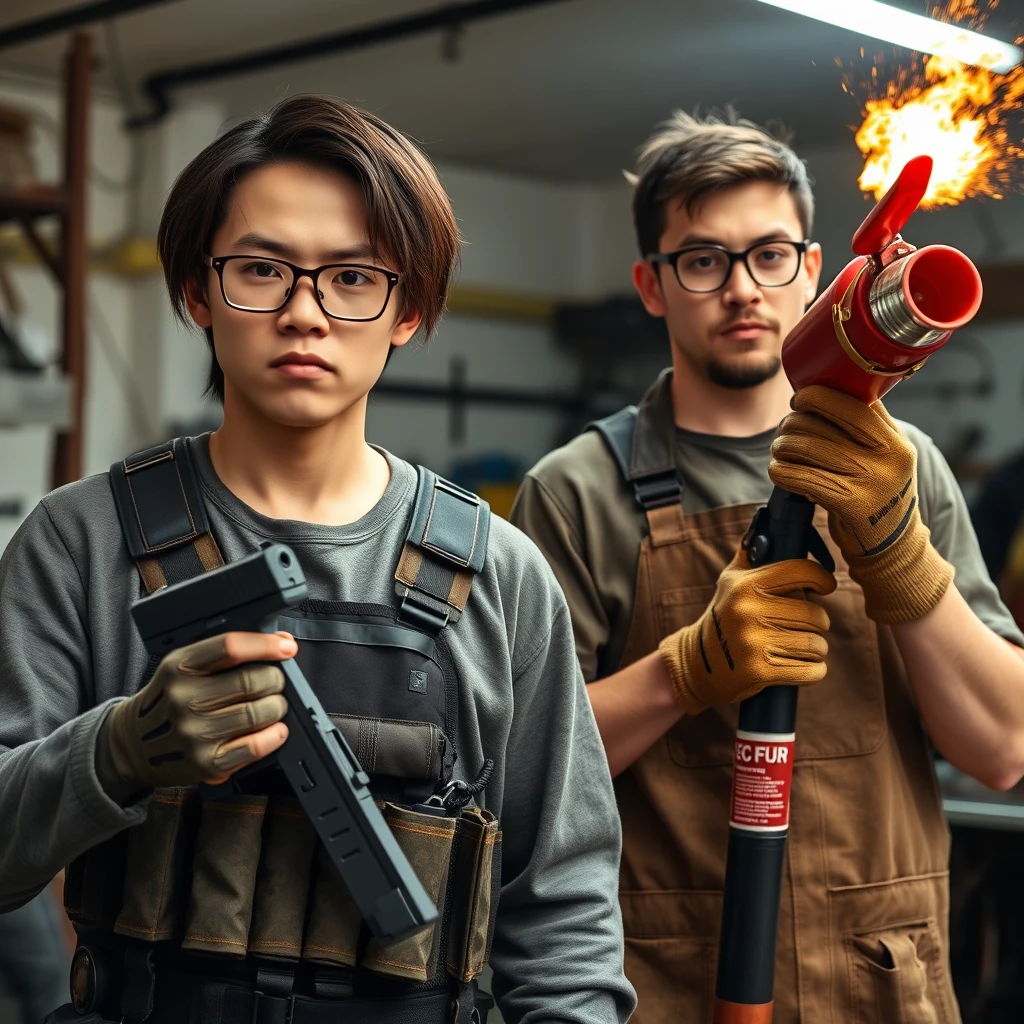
(642, 441)
(444, 549)
(162, 515)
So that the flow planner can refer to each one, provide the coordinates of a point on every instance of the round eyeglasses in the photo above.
(344, 291)
(707, 268)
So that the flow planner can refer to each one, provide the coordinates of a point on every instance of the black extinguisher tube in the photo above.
(762, 774)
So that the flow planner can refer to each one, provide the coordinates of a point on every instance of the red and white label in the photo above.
(762, 774)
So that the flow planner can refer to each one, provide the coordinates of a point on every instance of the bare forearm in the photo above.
(634, 708)
(969, 687)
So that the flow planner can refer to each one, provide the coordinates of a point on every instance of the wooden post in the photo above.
(67, 459)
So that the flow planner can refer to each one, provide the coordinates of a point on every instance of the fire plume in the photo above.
(959, 115)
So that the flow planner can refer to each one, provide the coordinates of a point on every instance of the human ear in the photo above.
(812, 270)
(405, 327)
(198, 305)
(648, 287)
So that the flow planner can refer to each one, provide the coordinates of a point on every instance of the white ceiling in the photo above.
(566, 90)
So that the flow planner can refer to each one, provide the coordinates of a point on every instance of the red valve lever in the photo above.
(885, 221)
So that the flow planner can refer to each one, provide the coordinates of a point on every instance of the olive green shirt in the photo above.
(584, 517)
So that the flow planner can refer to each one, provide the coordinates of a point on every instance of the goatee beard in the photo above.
(742, 377)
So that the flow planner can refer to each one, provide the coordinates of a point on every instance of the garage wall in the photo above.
(523, 236)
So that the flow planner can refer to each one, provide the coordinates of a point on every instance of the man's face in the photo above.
(731, 337)
(297, 366)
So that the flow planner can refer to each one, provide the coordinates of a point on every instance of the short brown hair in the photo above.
(689, 157)
(410, 217)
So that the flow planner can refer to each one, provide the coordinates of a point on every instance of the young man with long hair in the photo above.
(308, 243)
(641, 521)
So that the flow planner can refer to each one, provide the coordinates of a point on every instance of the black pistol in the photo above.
(333, 789)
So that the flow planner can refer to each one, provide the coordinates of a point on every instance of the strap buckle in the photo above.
(267, 1009)
(274, 1001)
(658, 489)
(421, 615)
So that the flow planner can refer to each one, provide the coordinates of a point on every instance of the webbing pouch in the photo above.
(475, 894)
(154, 868)
(332, 931)
(283, 880)
(94, 884)
(427, 841)
(224, 875)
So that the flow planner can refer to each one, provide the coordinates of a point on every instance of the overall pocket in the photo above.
(896, 962)
(895, 975)
(670, 954)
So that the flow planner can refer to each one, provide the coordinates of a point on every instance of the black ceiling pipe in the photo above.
(450, 16)
(84, 14)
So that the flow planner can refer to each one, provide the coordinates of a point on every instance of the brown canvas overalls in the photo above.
(863, 933)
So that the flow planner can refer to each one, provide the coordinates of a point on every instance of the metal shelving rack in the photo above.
(66, 201)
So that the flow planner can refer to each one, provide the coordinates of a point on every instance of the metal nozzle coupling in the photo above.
(892, 311)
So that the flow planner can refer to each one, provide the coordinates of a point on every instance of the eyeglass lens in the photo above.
(263, 285)
(706, 270)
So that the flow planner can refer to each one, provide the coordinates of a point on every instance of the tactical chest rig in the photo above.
(221, 909)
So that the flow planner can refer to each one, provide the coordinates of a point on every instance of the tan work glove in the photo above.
(755, 633)
(207, 711)
(853, 461)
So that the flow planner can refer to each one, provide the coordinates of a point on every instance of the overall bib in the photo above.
(863, 934)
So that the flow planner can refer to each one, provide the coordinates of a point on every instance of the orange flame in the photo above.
(956, 114)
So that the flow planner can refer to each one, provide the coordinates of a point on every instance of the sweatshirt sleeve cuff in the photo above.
(89, 791)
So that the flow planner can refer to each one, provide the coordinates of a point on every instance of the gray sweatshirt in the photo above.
(68, 648)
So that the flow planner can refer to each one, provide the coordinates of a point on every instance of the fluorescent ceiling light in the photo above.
(914, 31)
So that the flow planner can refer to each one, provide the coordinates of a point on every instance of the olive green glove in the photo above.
(194, 720)
(853, 461)
(755, 633)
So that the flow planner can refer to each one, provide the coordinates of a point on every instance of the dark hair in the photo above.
(689, 157)
(410, 217)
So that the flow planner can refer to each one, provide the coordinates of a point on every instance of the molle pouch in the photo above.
(283, 880)
(153, 876)
(427, 841)
(94, 884)
(332, 930)
(410, 759)
(224, 875)
(474, 894)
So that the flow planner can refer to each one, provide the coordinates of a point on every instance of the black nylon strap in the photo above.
(617, 431)
(360, 633)
(181, 564)
(139, 983)
(158, 500)
(653, 489)
(184, 999)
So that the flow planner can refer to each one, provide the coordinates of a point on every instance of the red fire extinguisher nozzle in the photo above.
(918, 299)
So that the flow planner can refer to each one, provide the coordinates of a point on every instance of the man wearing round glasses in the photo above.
(642, 518)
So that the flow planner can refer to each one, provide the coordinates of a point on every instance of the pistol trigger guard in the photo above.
(817, 547)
